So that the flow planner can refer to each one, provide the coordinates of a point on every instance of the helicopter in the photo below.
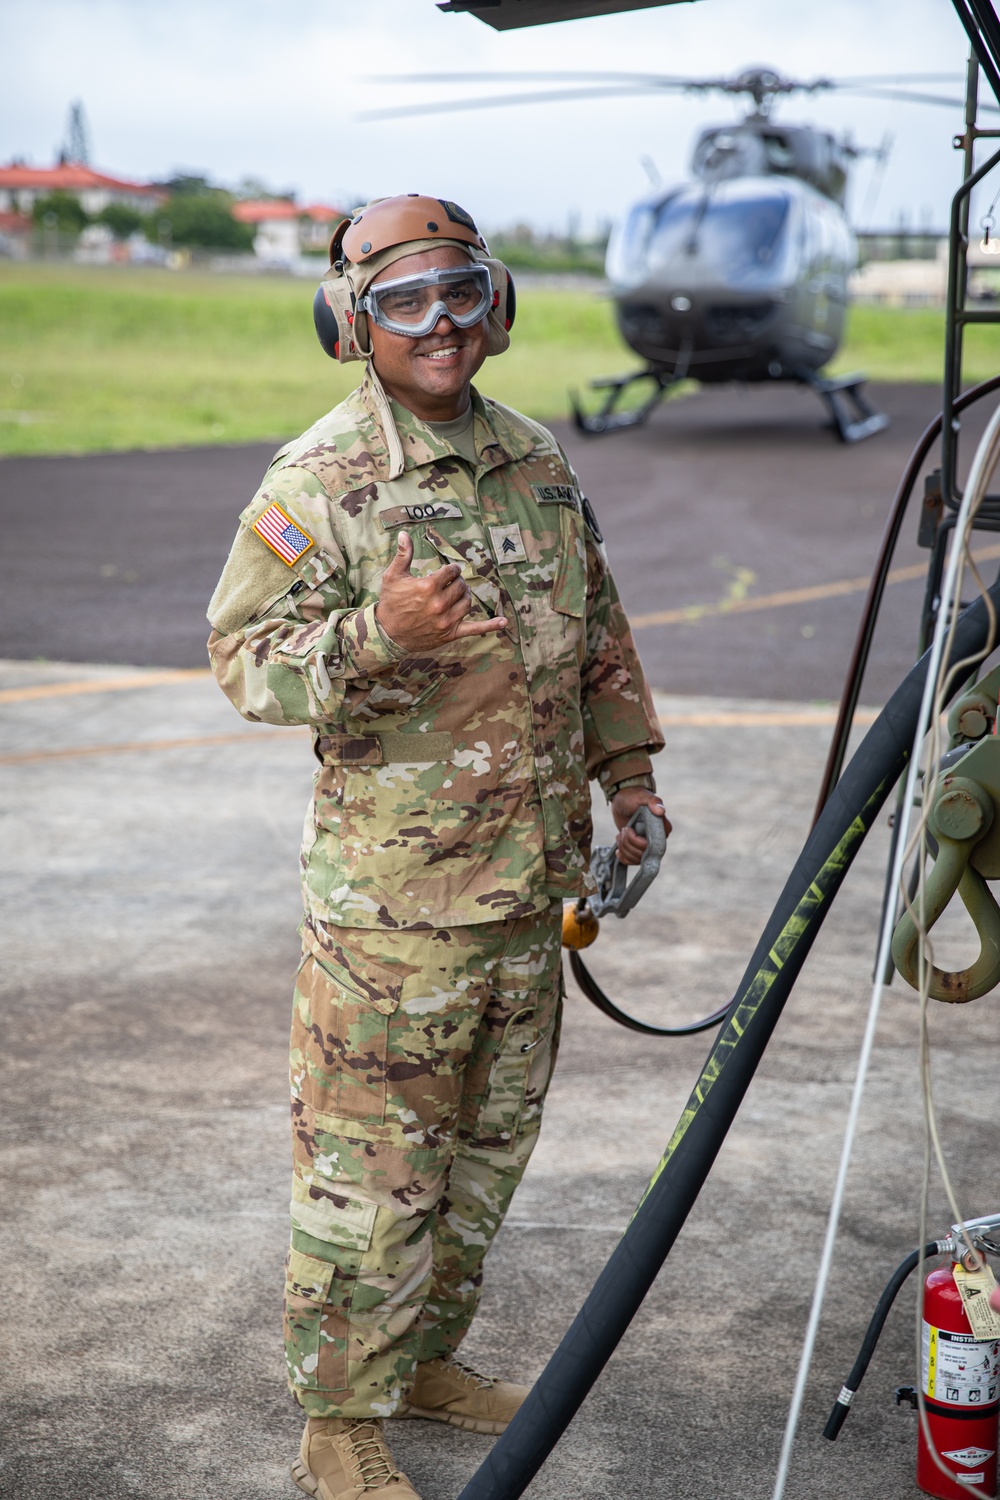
(741, 273)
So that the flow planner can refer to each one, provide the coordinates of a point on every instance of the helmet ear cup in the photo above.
(510, 308)
(333, 315)
(500, 318)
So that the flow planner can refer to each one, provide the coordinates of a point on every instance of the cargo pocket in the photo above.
(340, 1029)
(330, 1233)
(542, 1062)
(500, 1117)
(315, 1343)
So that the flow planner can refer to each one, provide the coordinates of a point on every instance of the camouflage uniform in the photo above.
(451, 816)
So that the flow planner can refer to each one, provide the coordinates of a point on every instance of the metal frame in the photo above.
(982, 26)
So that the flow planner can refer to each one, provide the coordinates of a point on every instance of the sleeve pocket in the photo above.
(569, 587)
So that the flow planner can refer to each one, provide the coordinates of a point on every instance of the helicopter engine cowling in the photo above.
(759, 147)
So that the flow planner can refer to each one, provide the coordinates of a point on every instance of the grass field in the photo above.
(94, 359)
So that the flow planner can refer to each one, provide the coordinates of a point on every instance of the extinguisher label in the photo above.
(974, 1288)
(960, 1370)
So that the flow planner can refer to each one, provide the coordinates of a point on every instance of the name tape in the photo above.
(434, 510)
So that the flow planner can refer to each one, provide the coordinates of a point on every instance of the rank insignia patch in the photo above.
(508, 545)
(282, 534)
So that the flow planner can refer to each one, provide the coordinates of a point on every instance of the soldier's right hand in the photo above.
(421, 613)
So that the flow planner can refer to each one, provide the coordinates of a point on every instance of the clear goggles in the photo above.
(413, 304)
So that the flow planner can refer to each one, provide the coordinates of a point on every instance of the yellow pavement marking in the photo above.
(691, 613)
(102, 685)
(196, 742)
(792, 718)
(688, 615)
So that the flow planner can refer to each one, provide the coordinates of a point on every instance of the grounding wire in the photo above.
(943, 626)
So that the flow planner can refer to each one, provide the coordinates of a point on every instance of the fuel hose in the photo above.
(842, 1405)
(618, 1293)
(604, 1003)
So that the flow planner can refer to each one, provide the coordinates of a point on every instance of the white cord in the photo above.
(982, 467)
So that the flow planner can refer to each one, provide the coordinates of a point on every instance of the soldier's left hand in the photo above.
(624, 805)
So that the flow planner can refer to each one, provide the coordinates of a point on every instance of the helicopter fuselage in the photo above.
(740, 278)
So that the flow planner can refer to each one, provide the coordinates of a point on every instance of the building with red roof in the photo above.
(286, 230)
(21, 185)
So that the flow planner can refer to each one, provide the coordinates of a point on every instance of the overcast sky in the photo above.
(273, 89)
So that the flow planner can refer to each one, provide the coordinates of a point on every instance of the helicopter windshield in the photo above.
(734, 230)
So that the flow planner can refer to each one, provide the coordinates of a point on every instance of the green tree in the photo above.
(204, 219)
(120, 219)
(60, 211)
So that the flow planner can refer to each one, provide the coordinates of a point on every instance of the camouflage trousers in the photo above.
(419, 1064)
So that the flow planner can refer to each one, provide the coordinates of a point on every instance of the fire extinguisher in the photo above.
(960, 1373)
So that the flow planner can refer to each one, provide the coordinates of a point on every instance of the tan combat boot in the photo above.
(445, 1390)
(346, 1458)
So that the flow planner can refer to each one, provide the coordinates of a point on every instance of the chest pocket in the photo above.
(478, 569)
(569, 587)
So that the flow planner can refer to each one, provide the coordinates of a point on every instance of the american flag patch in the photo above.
(282, 534)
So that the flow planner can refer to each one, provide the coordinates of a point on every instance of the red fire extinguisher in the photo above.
(960, 1369)
(960, 1375)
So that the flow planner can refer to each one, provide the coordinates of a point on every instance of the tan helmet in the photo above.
(387, 222)
(383, 232)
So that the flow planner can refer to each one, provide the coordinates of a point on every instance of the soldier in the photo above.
(421, 580)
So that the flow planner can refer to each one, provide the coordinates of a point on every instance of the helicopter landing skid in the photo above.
(851, 415)
(609, 420)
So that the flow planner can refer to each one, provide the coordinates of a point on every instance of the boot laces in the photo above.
(468, 1373)
(373, 1463)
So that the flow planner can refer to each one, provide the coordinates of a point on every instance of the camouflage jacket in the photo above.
(452, 788)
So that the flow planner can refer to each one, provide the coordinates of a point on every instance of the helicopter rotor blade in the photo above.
(544, 96)
(908, 96)
(675, 80)
(556, 75)
(612, 84)
(862, 80)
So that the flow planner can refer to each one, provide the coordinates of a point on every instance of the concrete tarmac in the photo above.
(150, 891)
(741, 534)
(151, 903)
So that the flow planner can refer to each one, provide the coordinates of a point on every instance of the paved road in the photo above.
(112, 558)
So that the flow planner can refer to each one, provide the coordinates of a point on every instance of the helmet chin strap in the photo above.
(394, 447)
(358, 315)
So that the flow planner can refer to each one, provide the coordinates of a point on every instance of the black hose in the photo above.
(802, 906)
(596, 996)
(842, 1405)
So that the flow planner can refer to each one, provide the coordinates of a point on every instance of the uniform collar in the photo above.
(402, 442)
